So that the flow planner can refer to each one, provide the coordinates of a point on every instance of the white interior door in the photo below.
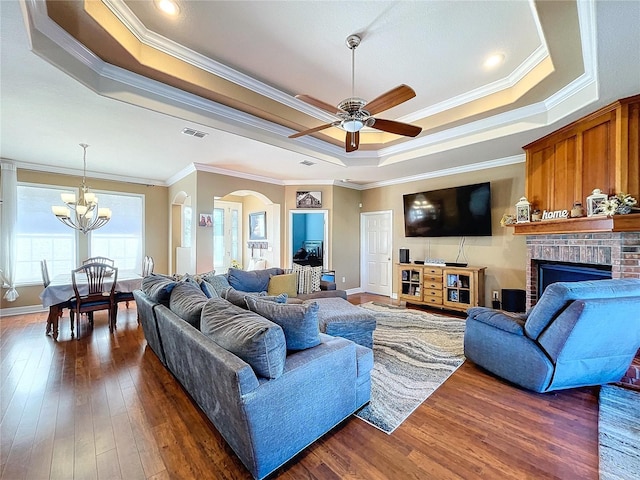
(227, 234)
(376, 244)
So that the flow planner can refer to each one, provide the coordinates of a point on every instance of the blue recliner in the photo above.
(578, 334)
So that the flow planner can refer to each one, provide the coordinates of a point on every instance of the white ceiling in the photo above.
(56, 94)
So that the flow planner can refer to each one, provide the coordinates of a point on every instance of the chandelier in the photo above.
(86, 214)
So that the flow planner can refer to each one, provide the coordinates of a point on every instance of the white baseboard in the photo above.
(394, 296)
(352, 291)
(7, 312)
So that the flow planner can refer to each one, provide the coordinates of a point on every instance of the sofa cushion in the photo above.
(220, 283)
(238, 298)
(254, 281)
(208, 289)
(187, 301)
(285, 283)
(299, 321)
(256, 340)
(158, 288)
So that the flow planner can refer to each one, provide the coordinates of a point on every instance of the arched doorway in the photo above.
(232, 233)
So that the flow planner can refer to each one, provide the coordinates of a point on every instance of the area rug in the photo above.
(414, 352)
(619, 433)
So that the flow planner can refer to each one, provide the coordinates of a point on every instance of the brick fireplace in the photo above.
(619, 250)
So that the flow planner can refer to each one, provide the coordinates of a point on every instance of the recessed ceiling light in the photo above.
(168, 6)
(494, 60)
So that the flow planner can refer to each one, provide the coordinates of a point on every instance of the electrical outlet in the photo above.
(344, 279)
(495, 294)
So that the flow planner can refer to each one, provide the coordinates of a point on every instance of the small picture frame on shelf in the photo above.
(453, 295)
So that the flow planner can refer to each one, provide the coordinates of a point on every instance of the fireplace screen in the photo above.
(551, 272)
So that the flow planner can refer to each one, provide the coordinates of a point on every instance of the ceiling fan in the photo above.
(355, 113)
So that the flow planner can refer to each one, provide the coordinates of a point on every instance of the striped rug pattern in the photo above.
(414, 352)
(619, 433)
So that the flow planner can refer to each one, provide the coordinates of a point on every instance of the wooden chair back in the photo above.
(95, 274)
(105, 260)
(147, 266)
(99, 296)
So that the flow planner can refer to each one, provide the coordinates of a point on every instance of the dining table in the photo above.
(60, 291)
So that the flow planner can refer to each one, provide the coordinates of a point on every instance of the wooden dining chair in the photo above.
(98, 297)
(46, 280)
(147, 266)
(104, 260)
(45, 273)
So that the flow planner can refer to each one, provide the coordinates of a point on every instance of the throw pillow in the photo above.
(285, 283)
(308, 278)
(253, 338)
(298, 321)
(158, 288)
(238, 298)
(208, 289)
(219, 282)
(254, 281)
(187, 300)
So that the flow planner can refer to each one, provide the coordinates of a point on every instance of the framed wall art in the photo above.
(308, 199)
(258, 226)
(205, 220)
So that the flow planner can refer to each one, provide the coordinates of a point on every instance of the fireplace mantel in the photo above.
(617, 223)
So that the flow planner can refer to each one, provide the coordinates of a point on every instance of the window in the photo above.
(121, 239)
(41, 236)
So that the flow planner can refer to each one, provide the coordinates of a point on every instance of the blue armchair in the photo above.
(578, 334)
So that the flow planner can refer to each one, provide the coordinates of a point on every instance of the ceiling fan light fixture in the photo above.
(352, 125)
(354, 113)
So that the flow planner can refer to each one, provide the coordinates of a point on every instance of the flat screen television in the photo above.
(450, 212)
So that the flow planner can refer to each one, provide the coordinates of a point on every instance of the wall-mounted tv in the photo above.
(450, 212)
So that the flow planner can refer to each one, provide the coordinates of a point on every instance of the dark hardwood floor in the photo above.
(104, 407)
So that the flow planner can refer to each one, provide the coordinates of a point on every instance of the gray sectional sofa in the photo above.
(270, 386)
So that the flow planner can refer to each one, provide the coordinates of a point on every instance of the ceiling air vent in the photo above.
(307, 163)
(194, 133)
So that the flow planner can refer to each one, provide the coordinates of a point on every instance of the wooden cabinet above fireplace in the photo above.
(601, 150)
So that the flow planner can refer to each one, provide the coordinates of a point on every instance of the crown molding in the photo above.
(500, 162)
(163, 44)
(577, 94)
(176, 177)
(38, 167)
(538, 55)
(201, 167)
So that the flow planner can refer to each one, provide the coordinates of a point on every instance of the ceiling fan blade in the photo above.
(352, 142)
(312, 130)
(319, 103)
(393, 97)
(398, 128)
